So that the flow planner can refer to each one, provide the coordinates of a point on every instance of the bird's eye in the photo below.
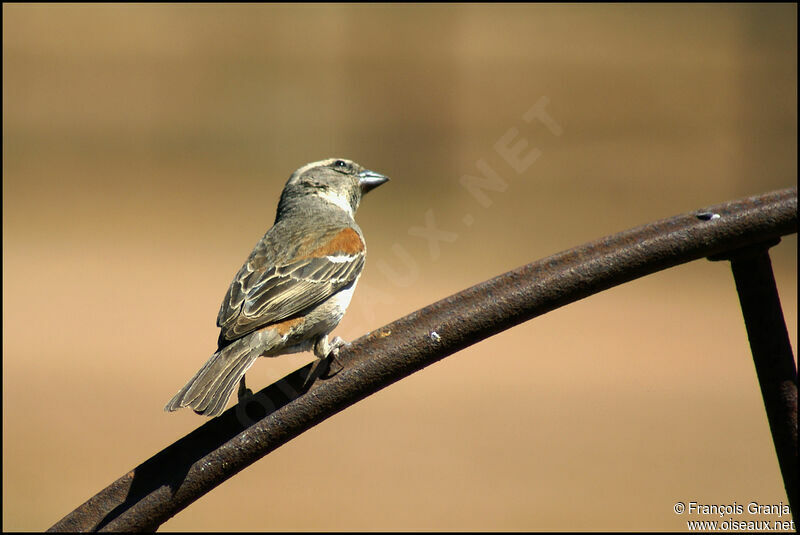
(340, 164)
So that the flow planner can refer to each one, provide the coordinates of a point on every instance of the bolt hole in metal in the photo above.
(707, 216)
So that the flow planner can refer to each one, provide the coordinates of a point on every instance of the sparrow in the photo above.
(294, 287)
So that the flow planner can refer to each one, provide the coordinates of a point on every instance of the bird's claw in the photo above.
(334, 366)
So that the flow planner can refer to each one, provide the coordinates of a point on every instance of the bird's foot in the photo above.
(334, 366)
(328, 365)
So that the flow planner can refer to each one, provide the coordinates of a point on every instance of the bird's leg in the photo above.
(327, 352)
(334, 366)
(243, 390)
(327, 366)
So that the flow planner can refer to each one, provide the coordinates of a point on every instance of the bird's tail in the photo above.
(208, 391)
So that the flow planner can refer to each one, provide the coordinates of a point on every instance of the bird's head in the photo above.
(338, 181)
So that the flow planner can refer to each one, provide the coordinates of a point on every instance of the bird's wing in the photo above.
(266, 291)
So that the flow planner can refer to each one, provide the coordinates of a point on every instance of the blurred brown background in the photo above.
(144, 149)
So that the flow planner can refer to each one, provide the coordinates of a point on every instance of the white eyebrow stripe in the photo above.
(306, 167)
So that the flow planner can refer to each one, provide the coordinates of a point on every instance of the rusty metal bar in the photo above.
(772, 353)
(147, 496)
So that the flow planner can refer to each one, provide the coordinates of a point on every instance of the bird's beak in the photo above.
(369, 180)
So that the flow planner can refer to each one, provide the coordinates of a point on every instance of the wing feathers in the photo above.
(264, 292)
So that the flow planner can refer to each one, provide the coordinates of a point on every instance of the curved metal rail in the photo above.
(159, 488)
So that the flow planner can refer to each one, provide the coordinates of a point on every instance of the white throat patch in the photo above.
(338, 200)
